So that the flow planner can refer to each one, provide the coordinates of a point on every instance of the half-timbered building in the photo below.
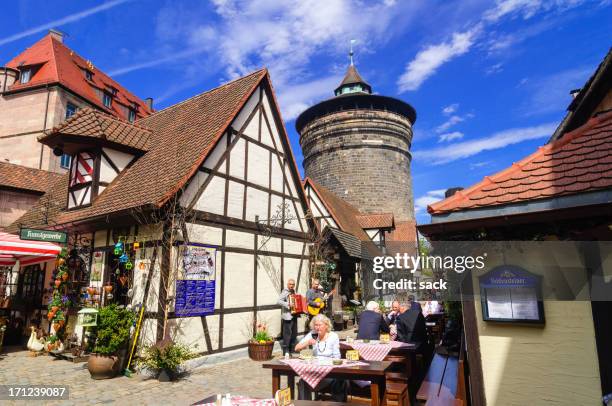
(214, 172)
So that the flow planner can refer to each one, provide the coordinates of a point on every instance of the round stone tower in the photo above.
(357, 145)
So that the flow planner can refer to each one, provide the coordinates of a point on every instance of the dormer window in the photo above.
(131, 115)
(26, 75)
(81, 180)
(88, 74)
(107, 100)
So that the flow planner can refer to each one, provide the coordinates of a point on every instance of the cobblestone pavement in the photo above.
(241, 376)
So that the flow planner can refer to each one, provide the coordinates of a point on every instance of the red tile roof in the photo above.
(581, 161)
(90, 123)
(378, 220)
(344, 214)
(24, 178)
(58, 64)
(181, 138)
(405, 231)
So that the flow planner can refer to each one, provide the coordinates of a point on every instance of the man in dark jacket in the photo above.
(372, 323)
(411, 326)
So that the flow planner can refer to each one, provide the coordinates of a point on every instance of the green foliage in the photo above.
(166, 355)
(261, 333)
(113, 329)
(453, 310)
(381, 305)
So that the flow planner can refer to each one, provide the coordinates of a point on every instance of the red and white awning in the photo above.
(13, 249)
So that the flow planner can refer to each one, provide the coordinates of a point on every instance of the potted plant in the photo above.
(112, 334)
(261, 344)
(165, 357)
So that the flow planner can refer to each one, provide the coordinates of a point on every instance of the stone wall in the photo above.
(363, 157)
(22, 120)
(13, 205)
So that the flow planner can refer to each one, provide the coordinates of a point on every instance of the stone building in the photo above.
(357, 145)
(43, 86)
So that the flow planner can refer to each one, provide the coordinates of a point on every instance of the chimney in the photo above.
(149, 103)
(57, 35)
(451, 191)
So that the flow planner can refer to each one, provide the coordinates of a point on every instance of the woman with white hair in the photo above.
(325, 343)
(372, 322)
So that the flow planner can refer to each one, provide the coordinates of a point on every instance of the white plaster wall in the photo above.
(258, 171)
(213, 157)
(239, 280)
(270, 244)
(246, 110)
(213, 198)
(294, 247)
(267, 292)
(277, 175)
(235, 201)
(239, 239)
(237, 157)
(252, 128)
(192, 188)
(237, 328)
(205, 234)
(257, 204)
(270, 116)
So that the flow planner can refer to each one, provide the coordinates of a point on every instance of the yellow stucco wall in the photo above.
(554, 364)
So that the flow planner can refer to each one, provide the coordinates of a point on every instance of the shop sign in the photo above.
(43, 235)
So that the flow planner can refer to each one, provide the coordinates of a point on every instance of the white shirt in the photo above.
(328, 348)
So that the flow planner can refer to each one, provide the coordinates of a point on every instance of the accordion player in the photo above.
(297, 304)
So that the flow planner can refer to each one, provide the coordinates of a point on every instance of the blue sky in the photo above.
(489, 80)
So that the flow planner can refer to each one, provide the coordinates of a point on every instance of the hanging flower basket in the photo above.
(260, 351)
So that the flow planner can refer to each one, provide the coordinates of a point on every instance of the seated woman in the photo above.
(325, 343)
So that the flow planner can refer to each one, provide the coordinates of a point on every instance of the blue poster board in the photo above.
(194, 298)
(511, 294)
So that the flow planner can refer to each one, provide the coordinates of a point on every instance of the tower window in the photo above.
(65, 161)
(70, 110)
(25, 75)
(107, 99)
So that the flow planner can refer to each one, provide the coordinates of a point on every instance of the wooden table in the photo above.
(407, 353)
(373, 372)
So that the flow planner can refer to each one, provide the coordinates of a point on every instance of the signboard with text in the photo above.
(195, 293)
(511, 294)
(31, 234)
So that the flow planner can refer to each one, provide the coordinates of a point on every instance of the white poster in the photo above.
(499, 303)
(524, 303)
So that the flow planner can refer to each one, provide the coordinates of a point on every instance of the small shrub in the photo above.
(113, 330)
(166, 355)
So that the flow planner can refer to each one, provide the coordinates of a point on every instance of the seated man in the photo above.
(411, 325)
(372, 323)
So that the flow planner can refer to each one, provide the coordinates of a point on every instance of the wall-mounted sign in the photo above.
(195, 294)
(43, 235)
(511, 294)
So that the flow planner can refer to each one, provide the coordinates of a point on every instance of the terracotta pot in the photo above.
(65, 276)
(58, 282)
(54, 309)
(50, 316)
(56, 327)
(91, 290)
(61, 261)
(261, 351)
(108, 288)
(61, 323)
(102, 366)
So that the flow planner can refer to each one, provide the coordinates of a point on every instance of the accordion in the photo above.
(297, 304)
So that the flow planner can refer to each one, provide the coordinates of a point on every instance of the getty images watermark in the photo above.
(411, 263)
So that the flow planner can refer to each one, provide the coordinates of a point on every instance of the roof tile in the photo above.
(579, 162)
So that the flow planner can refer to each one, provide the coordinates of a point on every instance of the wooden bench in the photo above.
(443, 384)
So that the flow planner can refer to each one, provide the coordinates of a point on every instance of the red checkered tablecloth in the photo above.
(245, 401)
(313, 373)
(376, 352)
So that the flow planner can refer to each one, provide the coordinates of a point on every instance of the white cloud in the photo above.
(496, 68)
(447, 137)
(477, 165)
(497, 140)
(64, 20)
(528, 8)
(452, 121)
(294, 99)
(158, 61)
(421, 203)
(428, 60)
(450, 109)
